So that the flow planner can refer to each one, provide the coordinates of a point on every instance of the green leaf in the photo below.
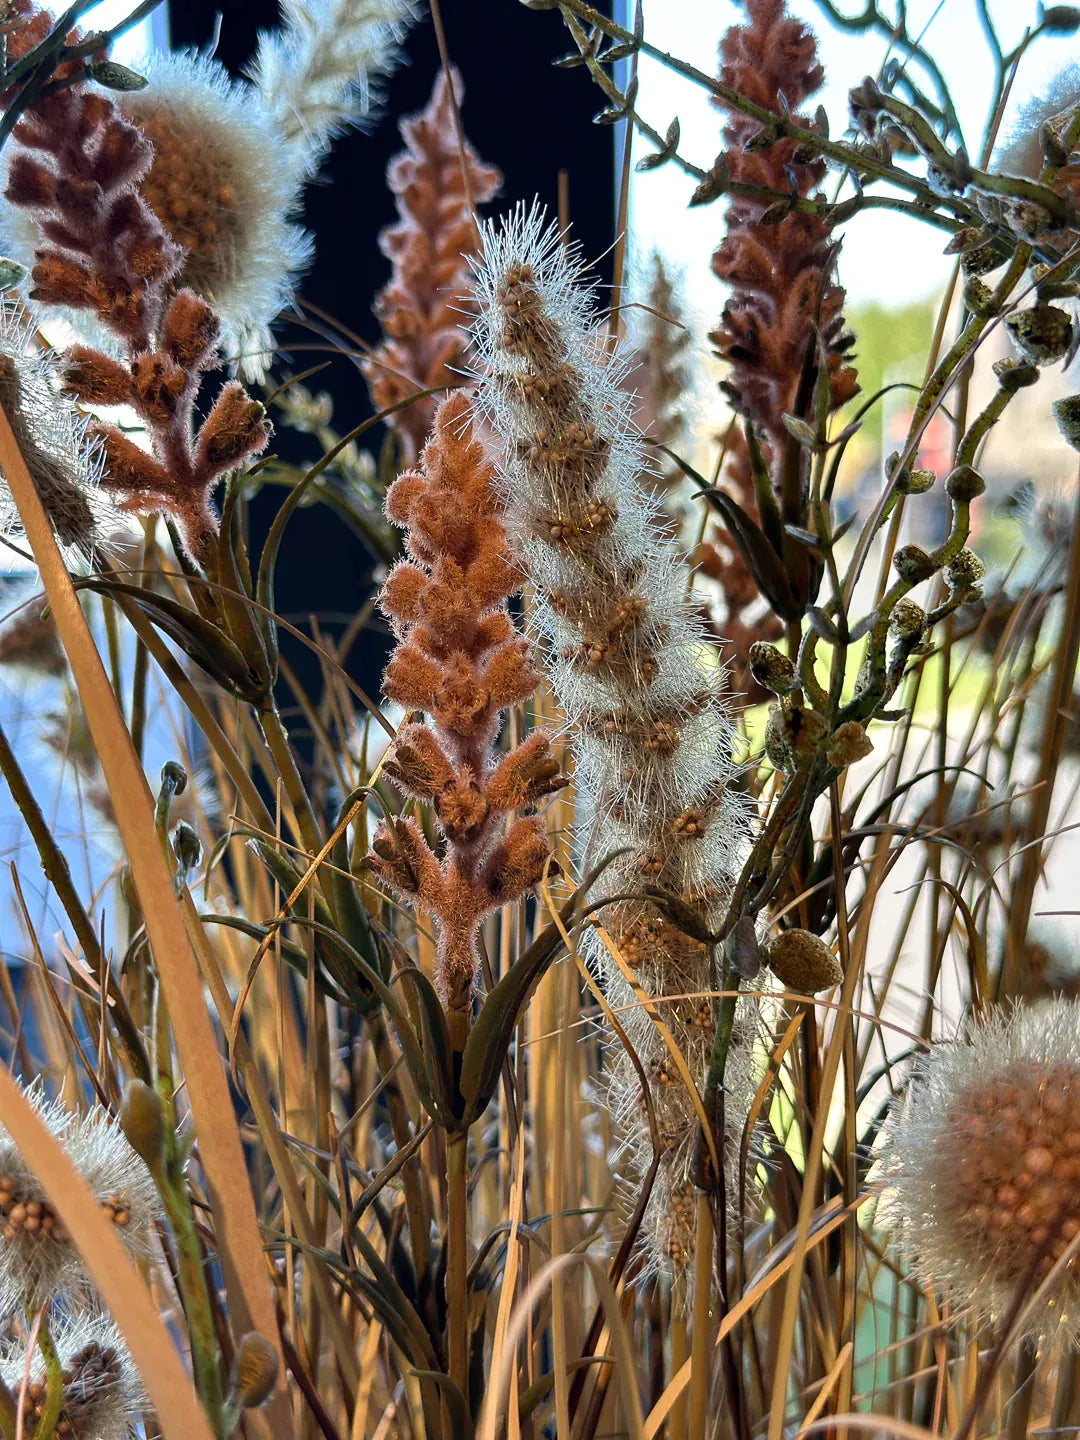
(200, 639)
(435, 1034)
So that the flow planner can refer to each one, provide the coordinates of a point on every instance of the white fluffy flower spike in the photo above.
(629, 664)
(38, 1262)
(982, 1165)
(317, 74)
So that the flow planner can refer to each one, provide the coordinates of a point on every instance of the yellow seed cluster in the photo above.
(1010, 1164)
(189, 191)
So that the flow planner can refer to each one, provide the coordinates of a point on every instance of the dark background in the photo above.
(518, 113)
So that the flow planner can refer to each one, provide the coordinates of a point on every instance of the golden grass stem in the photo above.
(700, 1368)
(240, 1244)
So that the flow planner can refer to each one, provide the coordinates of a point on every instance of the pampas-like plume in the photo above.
(777, 272)
(661, 379)
(627, 661)
(318, 74)
(420, 309)
(38, 1262)
(101, 1390)
(460, 660)
(64, 462)
(982, 1164)
(75, 168)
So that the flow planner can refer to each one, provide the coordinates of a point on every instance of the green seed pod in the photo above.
(1013, 375)
(908, 620)
(979, 298)
(913, 564)
(1067, 415)
(964, 570)
(916, 482)
(142, 1119)
(803, 962)
(1042, 334)
(964, 484)
(771, 668)
(848, 744)
(255, 1371)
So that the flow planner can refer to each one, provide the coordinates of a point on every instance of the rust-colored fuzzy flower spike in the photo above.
(460, 660)
(420, 308)
(777, 271)
(75, 169)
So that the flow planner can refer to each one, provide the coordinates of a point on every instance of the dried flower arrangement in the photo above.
(561, 1047)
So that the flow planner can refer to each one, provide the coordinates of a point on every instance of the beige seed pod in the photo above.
(803, 962)
(849, 742)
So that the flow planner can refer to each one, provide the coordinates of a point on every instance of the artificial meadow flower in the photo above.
(982, 1163)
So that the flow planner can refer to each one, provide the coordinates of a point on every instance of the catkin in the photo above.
(641, 689)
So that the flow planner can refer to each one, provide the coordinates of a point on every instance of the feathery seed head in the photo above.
(319, 73)
(982, 1163)
(38, 1262)
(63, 461)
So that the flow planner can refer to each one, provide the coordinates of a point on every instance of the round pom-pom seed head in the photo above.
(982, 1161)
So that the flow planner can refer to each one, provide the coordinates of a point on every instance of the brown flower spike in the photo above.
(777, 271)
(76, 167)
(460, 660)
(420, 308)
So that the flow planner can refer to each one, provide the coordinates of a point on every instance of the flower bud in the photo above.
(142, 1119)
(187, 847)
(803, 962)
(915, 482)
(1060, 20)
(907, 620)
(255, 1371)
(1013, 375)
(1042, 333)
(913, 564)
(771, 668)
(964, 484)
(848, 744)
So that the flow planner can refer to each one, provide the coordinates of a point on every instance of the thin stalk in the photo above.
(457, 1291)
(54, 1382)
(1053, 738)
(699, 1336)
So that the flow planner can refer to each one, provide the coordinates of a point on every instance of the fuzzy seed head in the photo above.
(218, 188)
(101, 1390)
(982, 1161)
(627, 661)
(38, 1262)
(64, 462)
